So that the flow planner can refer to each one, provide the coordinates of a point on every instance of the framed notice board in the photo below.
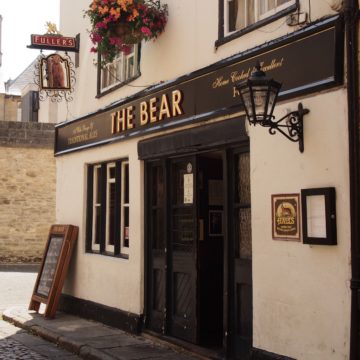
(54, 265)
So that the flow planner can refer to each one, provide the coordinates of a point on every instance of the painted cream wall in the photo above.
(103, 279)
(301, 293)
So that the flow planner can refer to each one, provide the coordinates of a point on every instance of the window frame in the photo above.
(104, 91)
(224, 37)
(100, 178)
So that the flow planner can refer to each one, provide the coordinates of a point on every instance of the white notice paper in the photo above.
(188, 188)
(316, 217)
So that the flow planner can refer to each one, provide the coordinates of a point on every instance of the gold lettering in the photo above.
(176, 100)
(144, 116)
(129, 117)
(152, 109)
(113, 127)
(236, 92)
(220, 82)
(120, 120)
(164, 107)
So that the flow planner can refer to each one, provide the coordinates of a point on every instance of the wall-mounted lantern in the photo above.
(259, 94)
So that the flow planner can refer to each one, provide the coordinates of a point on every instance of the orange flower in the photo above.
(103, 10)
(115, 13)
(133, 16)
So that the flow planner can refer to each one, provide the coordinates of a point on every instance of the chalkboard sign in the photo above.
(55, 262)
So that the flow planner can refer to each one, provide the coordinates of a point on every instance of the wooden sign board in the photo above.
(54, 266)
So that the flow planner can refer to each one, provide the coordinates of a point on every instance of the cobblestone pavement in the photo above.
(16, 285)
(11, 349)
(17, 344)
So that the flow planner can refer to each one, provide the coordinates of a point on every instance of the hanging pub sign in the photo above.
(54, 73)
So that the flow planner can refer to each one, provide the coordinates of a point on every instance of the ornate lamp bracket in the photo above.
(291, 125)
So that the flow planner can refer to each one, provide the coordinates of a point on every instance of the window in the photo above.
(240, 14)
(122, 70)
(108, 207)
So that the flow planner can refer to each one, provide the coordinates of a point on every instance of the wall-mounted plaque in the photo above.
(285, 217)
(54, 265)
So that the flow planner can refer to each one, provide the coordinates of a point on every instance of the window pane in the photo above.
(232, 14)
(240, 15)
(97, 225)
(111, 213)
(98, 185)
(242, 179)
(123, 68)
(250, 11)
(243, 231)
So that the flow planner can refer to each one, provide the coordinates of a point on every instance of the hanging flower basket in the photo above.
(117, 24)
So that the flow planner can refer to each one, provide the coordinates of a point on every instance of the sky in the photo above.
(22, 18)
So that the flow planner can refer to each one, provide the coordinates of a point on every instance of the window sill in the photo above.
(119, 256)
(116, 87)
(235, 35)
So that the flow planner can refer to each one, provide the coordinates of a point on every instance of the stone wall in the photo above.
(27, 190)
(9, 105)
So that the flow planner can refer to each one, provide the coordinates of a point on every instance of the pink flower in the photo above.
(146, 31)
(101, 25)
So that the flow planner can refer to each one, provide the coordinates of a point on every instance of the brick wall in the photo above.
(27, 190)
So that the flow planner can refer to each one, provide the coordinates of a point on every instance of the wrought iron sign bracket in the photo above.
(293, 123)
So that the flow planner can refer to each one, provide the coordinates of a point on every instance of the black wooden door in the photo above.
(183, 249)
(240, 256)
(157, 254)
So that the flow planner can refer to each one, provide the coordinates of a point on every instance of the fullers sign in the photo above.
(54, 42)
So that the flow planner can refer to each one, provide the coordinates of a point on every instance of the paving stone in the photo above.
(140, 352)
(111, 341)
(11, 349)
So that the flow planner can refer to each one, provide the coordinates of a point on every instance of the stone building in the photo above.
(27, 190)
(27, 186)
(195, 226)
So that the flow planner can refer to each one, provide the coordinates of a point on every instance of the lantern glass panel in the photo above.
(272, 97)
(260, 94)
(246, 97)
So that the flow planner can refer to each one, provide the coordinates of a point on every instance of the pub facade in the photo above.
(232, 240)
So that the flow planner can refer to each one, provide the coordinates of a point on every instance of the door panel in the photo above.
(157, 248)
(183, 237)
(240, 256)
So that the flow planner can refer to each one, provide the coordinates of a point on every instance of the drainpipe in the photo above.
(351, 16)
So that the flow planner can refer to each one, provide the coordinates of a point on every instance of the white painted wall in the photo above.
(301, 293)
(103, 279)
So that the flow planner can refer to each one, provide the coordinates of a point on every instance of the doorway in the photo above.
(199, 282)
